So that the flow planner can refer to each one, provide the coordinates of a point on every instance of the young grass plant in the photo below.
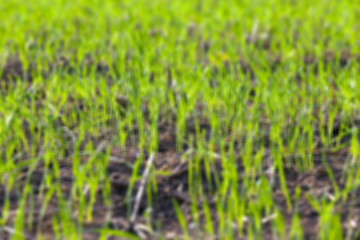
(276, 86)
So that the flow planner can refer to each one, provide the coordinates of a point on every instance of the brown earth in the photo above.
(174, 186)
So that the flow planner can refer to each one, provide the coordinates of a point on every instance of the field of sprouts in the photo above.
(204, 119)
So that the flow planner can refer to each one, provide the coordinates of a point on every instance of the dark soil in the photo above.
(174, 186)
(13, 67)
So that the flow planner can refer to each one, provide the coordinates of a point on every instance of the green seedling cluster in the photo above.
(275, 83)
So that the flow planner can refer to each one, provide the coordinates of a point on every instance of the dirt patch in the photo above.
(13, 67)
(172, 186)
(172, 178)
